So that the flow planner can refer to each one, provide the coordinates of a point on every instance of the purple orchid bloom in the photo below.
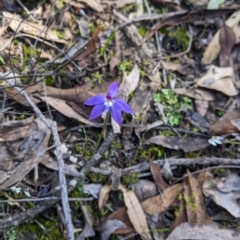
(106, 103)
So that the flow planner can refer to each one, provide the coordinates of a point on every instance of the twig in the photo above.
(62, 178)
(26, 10)
(174, 162)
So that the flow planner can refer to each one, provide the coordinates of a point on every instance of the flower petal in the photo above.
(212, 142)
(96, 100)
(122, 105)
(112, 90)
(116, 115)
(97, 111)
(218, 141)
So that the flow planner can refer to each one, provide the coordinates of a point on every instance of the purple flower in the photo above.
(106, 103)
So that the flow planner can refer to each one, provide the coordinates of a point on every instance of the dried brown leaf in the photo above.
(198, 94)
(227, 41)
(220, 79)
(201, 106)
(157, 204)
(172, 142)
(225, 124)
(155, 170)
(91, 46)
(62, 107)
(104, 195)
(160, 203)
(135, 213)
(193, 197)
(214, 47)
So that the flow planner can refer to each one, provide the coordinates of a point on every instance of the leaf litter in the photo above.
(176, 67)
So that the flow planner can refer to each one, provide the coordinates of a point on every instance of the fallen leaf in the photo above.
(229, 183)
(198, 94)
(144, 189)
(62, 107)
(224, 124)
(109, 227)
(225, 199)
(203, 232)
(194, 201)
(91, 46)
(104, 195)
(160, 203)
(172, 142)
(201, 106)
(227, 41)
(155, 170)
(213, 48)
(156, 204)
(135, 213)
(129, 83)
(220, 79)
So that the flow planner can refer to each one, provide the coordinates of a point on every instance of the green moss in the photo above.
(58, 34)
(97, 178)
(49, 81)
(46, 226)
(94, 79)
(220, 172)
(142, 31)
(130, 178)
(151, 152)
(180, 34)
(172, 103)
(81, 150)
(192, 154)
(126, 66)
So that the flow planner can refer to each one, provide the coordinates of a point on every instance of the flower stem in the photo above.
(90, 162)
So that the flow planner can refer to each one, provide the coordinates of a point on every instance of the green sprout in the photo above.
(172, 103)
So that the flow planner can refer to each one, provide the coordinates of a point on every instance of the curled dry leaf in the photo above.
(220, 79)
(214, 46)
(172, 142)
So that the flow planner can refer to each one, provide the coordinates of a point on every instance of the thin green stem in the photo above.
(90, 162)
